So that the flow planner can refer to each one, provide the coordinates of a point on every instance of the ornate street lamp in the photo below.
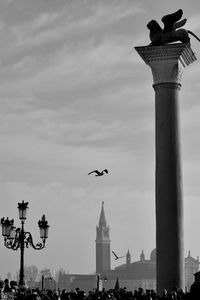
(17, 238)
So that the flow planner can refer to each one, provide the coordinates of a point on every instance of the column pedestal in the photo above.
(167, 64)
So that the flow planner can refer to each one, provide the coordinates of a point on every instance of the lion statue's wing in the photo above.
(170, 19)
(179, 24)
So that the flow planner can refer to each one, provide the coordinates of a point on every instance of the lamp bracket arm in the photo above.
(12, 244)
(28, 240)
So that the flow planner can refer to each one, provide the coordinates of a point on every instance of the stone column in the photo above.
(167, 64)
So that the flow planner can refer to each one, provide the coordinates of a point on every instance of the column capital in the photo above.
(167, 62)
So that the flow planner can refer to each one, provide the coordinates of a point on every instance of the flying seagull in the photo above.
(116, 256)
(98, 173)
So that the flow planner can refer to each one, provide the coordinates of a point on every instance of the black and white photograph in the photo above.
(99, 149)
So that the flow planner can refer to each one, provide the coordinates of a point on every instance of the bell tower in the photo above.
(102, 244)
(128, 258)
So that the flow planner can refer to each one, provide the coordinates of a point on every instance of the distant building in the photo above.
(191, 267)
(102, 244)
(132, 275)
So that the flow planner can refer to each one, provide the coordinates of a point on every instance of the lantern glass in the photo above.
(44, 232)
(43, 226)
(12, 233)
(6, 227)
(5, 230)
(22, 207)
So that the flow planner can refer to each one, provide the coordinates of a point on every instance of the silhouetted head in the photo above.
(153, 26)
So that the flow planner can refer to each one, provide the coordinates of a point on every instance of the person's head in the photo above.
(31, 296)
(49, 293)
(164, 292)
(13, 285)
(22, 289)
(2, 284)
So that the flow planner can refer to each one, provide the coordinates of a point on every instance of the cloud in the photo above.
(48, 29)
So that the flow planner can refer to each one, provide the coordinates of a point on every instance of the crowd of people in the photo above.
(11, 291)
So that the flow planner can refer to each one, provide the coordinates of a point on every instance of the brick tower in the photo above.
(102, 244)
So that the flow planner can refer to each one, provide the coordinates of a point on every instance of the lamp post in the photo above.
(50, 280)
(100, 281)
(18, 238)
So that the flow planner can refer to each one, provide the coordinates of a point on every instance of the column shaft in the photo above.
(167, 63)
(169, 203)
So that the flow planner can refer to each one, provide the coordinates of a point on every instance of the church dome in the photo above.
(153, 255)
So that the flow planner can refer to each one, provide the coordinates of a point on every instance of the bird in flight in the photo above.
(116, 256)
(99, 173)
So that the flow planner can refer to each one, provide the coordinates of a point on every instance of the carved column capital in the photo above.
(167, 62)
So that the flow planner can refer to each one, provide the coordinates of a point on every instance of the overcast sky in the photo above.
(75, 96)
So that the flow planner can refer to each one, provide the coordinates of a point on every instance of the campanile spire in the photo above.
(102, 244)
(102, 219)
